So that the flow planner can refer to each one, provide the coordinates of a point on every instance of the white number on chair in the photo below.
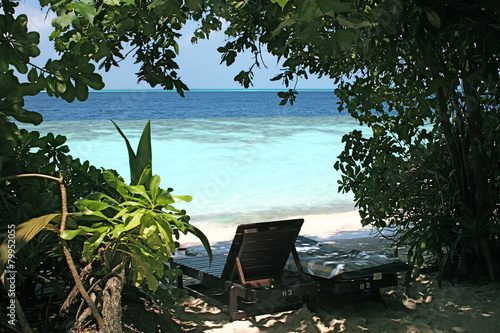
(365, 285)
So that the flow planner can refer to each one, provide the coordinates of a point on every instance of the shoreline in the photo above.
(322, 227)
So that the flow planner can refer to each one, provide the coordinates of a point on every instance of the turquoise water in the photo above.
(236, 169)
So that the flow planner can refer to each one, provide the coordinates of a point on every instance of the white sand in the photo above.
(473, 308)
(321, 227)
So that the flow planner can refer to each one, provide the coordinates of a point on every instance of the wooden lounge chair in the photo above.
(251, 279)
(347, 273)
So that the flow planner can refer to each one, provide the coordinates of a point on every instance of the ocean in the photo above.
(241, 156)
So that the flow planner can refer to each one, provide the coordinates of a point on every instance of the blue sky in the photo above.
(200, 66)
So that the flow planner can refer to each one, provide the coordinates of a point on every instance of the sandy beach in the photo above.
(321, 227)
(454, 307)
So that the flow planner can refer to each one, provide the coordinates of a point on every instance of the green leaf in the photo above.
(91, 206)
(282, 3)
(117, 231)
(138, 189)
(143, 267)
(145, 176)
(164, 228)
(81, 90)
(284, 24)
(91, 245)
(32, 75)
(308, 11)
(353, 23)
(156, 3)
(148, 231)
(64, 20)
(194, 5)
(70, 234)
(154, 186)
(87, 10)
(433, 18)
(344, 38)
(186, 198)
(144, 151)
(143, 159)
(134, 222)
(154, 241)
(25, 232)
(201, 236)
(165, 199)
(115, 182)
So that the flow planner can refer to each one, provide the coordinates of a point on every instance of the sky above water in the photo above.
(199, 63)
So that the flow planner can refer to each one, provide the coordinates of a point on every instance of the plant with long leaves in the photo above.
(131, 230)
(141, 223)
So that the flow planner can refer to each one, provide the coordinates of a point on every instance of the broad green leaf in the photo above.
(87, 10)
(180, 225)
(115, 182)
(201, 236)
(186, 198)
(64, 20)
(145, 176)
(99, 228)
(282, 3)
(165, 199)
(101, 197)
(154, 241)
(148, 231)
(117, 231)
(91, 245)
(134, 222)
(32, 75)
(70, 234)
(165, 229)
(138, 189)
(344, 38)
(433, 18)
(131, 154)
(286, 23)
(143, 159)
(194, 5)
(128, 205)
(144, 266)
(144, 152)
(308, 11)
(81, 90)
(23, 234)
(353, 22)
(89, 207)
(156, 3)
(154, 186)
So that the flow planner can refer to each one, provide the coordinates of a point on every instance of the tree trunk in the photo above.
(112, 303)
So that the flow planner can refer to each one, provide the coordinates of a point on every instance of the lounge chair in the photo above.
(340, 272)
(251, 279)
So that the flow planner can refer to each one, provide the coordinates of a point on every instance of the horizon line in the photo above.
(210, 90)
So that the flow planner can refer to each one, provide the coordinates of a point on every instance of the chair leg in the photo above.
(180, 282)
(234, 313)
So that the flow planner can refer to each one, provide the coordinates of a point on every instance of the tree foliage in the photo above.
(87, 35)
(424, 77)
